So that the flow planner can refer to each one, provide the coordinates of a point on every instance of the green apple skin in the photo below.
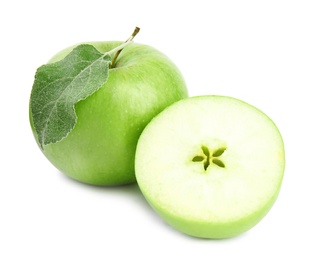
(214, 230)
(200, 203)
(100, 150)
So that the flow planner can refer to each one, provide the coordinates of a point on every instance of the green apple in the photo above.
(210, 166)
(100, 150)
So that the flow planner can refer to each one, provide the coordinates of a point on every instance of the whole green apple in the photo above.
(216, 166)
(100, 149)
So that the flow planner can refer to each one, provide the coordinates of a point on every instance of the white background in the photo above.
(257, 51)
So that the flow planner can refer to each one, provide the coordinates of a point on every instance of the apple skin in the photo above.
(217, 230)
(100, 150)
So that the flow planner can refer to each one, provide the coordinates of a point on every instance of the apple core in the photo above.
(208, 157)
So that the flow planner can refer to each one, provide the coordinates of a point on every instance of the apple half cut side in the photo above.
(210, 166)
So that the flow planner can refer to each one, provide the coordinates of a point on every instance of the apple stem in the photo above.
(135, 32)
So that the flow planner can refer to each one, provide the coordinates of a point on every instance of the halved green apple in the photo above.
(211, 166)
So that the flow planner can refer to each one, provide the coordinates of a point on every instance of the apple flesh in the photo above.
(210, 166)
(100, 150)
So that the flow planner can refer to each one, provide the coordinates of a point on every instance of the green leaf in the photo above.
(59, 86)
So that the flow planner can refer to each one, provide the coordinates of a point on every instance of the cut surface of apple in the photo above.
(211, 166)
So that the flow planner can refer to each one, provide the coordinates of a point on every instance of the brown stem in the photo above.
(137, 29)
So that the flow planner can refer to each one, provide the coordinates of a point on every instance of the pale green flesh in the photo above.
(101, 148)
(220, 201)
